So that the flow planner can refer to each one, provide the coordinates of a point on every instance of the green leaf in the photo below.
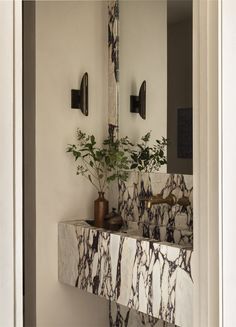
(134, 166)
(93, 140)
(76, 154)
(111, 178)
(146, 137)
(140, 146)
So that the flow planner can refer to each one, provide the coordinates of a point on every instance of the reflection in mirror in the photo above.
(156, 46)
(179, 86)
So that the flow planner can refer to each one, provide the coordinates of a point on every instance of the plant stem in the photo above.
(98, 173)
(94, 176)
(92, 183)
(87, 166)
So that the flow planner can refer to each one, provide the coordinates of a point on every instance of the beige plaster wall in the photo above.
(70, 39)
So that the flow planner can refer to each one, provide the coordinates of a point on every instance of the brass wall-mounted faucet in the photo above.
(170, 200)
(158, 199)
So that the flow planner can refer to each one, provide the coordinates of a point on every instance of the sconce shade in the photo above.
(79, 98)
(138, 103)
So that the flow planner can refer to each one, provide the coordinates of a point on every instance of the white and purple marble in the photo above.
(162, 222)
(113, 62)
(145, 276)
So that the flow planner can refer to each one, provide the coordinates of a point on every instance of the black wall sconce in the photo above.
(138, 103)
(79, 98)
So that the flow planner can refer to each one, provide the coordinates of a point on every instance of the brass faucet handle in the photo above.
(171, 199)
(184, 201)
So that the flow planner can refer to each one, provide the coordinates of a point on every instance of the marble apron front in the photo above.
(151, 277)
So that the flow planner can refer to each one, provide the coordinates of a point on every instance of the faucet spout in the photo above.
(158, 199)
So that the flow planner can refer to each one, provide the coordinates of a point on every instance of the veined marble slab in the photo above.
(142, 274)
(162, 222)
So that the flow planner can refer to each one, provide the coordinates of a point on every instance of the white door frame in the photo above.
(11, 292)
(206, 163)
(228, 103)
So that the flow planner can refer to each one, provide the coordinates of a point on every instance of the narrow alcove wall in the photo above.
(65, 39)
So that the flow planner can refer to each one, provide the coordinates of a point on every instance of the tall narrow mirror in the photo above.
(156, 47)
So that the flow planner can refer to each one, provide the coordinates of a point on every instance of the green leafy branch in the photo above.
(149, 158)
(100, 165)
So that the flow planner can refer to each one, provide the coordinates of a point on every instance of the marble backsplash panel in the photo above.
(162, 222)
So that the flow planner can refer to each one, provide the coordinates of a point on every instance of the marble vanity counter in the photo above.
(143, 274)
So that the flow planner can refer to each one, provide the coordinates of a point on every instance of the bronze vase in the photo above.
(100, 209)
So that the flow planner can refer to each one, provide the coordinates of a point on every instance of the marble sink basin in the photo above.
(134, 230)
(140, 273)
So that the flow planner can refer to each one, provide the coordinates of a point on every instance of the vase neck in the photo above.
(101, 195)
